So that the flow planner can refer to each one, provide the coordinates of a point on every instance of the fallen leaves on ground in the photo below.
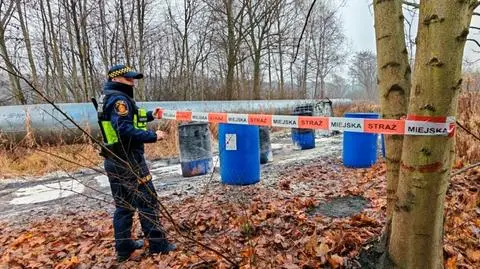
(259, 226)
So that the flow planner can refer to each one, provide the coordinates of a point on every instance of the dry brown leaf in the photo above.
(321, 250)
(22, 238)
(335, 261)
(290, 266)
(451, 263)
(473, 255)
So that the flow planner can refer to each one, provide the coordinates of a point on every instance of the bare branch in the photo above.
(463, 170)
(303, 30)
(415, 5)
(473, 40)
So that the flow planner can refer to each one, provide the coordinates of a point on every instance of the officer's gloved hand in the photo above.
(160, 135)
(155, 112)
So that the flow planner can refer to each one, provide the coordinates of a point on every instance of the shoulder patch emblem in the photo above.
(121, 108)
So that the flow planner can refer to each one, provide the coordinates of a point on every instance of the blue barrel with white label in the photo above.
(239, 150)
(359, 149)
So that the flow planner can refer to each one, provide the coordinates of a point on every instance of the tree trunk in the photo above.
(57, 62)
(75, 87)
(322, 86)
(231, 52)
(280, 59)
(14, 81)
(46, 53)
(394, 89)
(28, 47)
(123, 21)
(256, 75)
(417, 224)
(81, 48)
(141, 6)
(305, 71)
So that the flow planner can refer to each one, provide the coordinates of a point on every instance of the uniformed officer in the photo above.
(124, 129)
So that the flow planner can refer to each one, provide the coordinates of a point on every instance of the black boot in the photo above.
(170, 247)
(137, 244)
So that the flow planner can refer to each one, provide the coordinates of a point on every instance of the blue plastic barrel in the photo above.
(360, 149)
(195, 149)
(303, 138)
(239, 149)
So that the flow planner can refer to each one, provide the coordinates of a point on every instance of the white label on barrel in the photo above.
(346, 124)
(231, 141)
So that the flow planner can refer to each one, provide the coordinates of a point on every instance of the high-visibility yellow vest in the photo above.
(109, 134)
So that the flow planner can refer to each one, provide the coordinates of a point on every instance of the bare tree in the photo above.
(364, 70)
(261, 15)
(328, 44)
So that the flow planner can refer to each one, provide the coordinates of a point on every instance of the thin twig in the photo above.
(415, 5)
(468, 131)
(473, 40)
(465, 169)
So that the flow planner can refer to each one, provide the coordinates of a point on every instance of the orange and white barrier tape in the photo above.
(413, 125)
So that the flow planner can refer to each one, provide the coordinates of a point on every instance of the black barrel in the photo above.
(195, 148)
(265, 145)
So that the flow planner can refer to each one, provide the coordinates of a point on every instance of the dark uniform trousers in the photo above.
(134, 190)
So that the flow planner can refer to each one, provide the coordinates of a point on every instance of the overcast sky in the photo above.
(358, 25)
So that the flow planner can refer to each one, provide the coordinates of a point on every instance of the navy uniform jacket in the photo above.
(131, 140)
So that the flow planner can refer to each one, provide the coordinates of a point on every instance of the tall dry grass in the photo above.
(467, 147)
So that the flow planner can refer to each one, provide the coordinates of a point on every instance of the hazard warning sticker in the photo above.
(230, 141)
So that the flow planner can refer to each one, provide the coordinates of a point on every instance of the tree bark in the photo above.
(75, 86)
(141, 7)
(394, 89)
(231, 51)
(417, 224)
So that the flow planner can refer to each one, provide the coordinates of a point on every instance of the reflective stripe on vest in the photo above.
(140, 121)
(110, 133)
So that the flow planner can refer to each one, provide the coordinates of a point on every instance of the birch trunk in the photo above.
(394, 88)
(417, 224)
